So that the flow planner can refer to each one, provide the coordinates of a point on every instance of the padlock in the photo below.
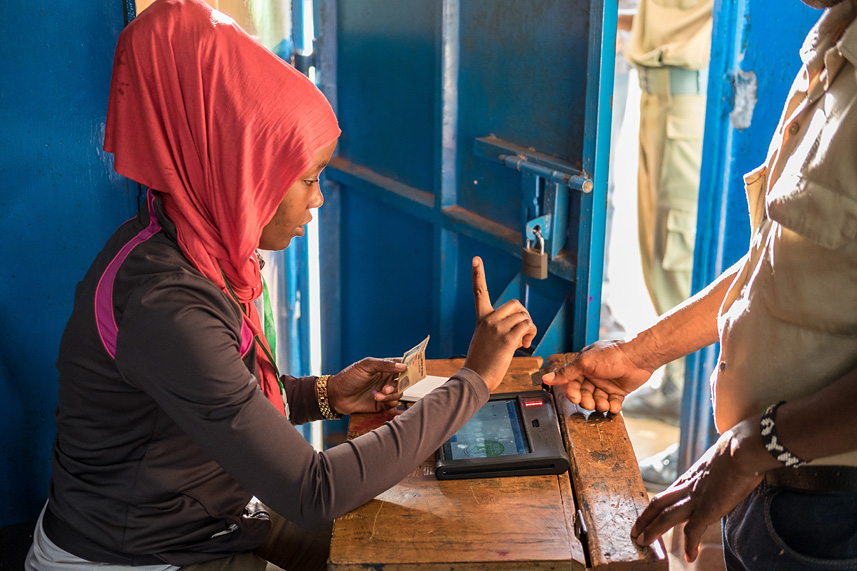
(535, 260)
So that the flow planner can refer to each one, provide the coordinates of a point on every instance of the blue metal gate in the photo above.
(465, 123)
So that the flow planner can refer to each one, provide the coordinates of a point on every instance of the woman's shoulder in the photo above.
(156, 274)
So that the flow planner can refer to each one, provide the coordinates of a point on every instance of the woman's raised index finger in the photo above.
(480, 290)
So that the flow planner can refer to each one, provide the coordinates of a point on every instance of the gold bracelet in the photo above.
(323, 402)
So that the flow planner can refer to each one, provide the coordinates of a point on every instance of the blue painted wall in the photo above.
(59, 200)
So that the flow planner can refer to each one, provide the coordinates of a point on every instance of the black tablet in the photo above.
(514, 434)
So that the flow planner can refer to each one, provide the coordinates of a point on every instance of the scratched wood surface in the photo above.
(499, 523)
(608, 487)
(479, 524)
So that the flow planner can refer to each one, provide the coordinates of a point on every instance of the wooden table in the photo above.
(578, 520)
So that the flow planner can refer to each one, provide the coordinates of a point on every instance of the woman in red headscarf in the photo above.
(172, 416)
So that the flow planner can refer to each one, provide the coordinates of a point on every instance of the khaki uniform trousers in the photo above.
(671, 132)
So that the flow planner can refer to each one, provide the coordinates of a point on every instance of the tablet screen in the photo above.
(495, 430)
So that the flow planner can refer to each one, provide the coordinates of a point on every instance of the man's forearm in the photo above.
(686, 328)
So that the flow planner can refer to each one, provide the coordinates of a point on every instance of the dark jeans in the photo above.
(780, 529)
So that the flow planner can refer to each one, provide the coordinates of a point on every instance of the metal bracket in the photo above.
(544, 224)
(545, 184)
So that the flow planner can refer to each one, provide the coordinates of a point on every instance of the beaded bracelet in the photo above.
(323, 402)
(772, 443)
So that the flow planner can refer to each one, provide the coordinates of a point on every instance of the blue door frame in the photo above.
(754, 59)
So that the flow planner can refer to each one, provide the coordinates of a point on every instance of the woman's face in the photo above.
(293, 213)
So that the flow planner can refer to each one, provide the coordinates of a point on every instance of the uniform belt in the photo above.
(673, 80)
(831, 479)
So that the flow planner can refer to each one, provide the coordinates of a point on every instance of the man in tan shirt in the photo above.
(783, 474)
(669, 46)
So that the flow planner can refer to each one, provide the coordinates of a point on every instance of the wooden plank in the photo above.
(492, 523)
(481, 524)
(520, 369)
(608, 487)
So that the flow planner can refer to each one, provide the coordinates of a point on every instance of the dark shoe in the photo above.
(660, 470)
(654, 403)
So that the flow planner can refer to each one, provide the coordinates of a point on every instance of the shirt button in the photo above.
(722, 366)
(794, 128)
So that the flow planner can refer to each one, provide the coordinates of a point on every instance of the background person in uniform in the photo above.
(783, 474)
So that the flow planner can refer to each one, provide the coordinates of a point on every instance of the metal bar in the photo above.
(329, 216)
(449, 103)
(491, 148)
(291, 346)
(444, 315)
(596, 155)
(521, 164)
(533, 162)
(581, 332)
(446, 252)
(412, 200)
(330, 264)
(302, 280)
(483, 229)
(556, 206)
(326, 46)
(529, 200)
(297, 26)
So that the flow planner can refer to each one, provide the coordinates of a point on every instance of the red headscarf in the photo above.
(222, 128)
